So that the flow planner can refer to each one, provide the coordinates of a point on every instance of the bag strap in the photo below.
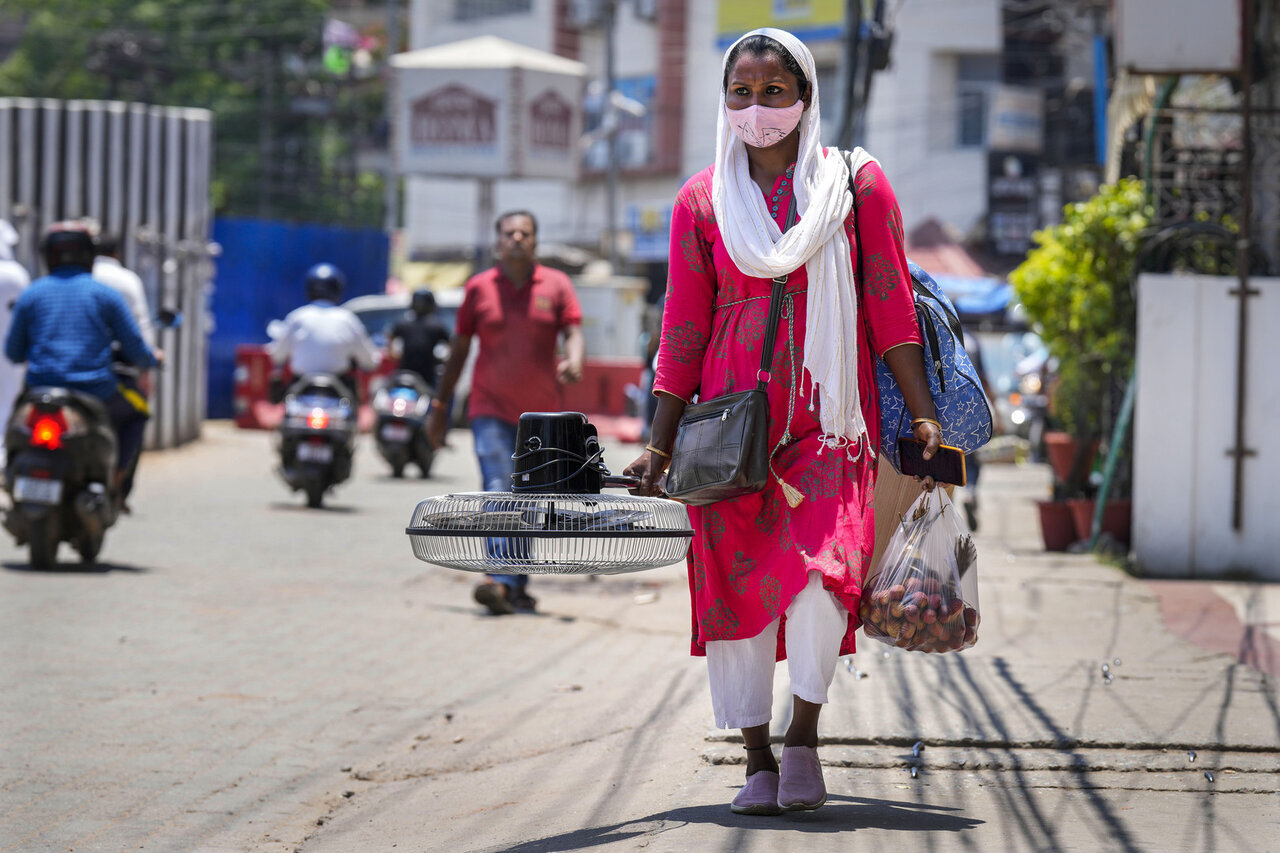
(853, 208)
(775, 311)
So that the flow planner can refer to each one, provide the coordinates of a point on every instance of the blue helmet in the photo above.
(325, 281)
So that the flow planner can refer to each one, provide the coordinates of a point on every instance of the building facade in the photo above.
(927, 119)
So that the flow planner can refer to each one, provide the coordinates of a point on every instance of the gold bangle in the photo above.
(926, 421)
(664, 454)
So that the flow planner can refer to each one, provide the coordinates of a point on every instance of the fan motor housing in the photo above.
(556, 453)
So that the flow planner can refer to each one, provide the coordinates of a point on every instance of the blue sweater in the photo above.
(63, 326)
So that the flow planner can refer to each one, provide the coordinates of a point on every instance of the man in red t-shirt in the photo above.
(518, 309)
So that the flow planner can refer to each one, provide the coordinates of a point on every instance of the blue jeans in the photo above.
(495, 442)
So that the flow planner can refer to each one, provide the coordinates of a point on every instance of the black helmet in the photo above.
(325, 281)
(423, 302)
(67, 244)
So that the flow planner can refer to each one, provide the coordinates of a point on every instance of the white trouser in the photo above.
(741, 671)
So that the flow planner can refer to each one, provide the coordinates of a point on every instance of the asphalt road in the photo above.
(244, 674)
(205, 686)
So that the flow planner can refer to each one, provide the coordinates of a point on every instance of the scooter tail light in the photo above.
(47, 428)
(318, 419)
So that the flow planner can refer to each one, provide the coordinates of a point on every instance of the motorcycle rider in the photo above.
(135, 383)
(63, 327)
(13, 280)
(414, 340)
(322, 336)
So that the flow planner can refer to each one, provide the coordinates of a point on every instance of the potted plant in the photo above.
(1076, 288)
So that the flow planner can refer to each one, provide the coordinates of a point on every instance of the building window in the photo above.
(471, 10)
(976, 75)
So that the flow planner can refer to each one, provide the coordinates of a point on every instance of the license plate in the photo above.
(308, 452)
(396, 432)
(37, 491)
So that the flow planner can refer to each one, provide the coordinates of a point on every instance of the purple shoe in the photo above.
(801, 786)
(759, 795)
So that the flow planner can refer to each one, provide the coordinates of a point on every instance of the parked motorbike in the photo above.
(400, 407)
(317, 436)
(62, 461)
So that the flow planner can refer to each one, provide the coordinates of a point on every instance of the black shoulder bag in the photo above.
(721, 449)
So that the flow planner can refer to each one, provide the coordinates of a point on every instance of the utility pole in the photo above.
(853, 61)
(609, 120)
(391, 192)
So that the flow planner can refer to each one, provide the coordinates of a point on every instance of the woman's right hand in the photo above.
(648, 467)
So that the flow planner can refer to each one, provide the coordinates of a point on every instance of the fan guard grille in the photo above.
(562, 534)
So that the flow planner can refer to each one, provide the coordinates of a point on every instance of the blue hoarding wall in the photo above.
(260, 278)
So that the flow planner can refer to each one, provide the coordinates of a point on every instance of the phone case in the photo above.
(946, 466)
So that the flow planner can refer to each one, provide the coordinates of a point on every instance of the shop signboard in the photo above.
(487, 108)
(1013, 201)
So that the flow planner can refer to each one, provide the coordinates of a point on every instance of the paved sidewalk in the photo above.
(1080, 721)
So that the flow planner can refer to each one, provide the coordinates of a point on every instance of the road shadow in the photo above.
(68, 567)
(479, 612)
(840, 814)
(336, 509)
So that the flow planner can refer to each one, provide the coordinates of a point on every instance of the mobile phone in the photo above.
(946, 466)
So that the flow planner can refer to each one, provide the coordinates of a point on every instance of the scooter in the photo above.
(60, 471)
(400, 407)
(317, 436)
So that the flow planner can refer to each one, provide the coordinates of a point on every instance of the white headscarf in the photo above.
(759, 248)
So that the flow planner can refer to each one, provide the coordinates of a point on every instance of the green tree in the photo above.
(1076, 285)
(286, 130)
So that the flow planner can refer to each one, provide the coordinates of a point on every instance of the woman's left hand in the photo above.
(931, 435)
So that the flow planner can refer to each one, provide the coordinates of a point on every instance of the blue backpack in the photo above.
(961, 404)
(958, 397)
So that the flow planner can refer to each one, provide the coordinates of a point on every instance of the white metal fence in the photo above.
(143, 172)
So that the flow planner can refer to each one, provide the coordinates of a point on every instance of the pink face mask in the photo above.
(761, 127)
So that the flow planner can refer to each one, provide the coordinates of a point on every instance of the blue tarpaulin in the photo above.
(260, 278)
(976, 295)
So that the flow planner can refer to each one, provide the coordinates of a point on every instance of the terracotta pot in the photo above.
(1057, 527)
(1060, 447)
(1117, 518)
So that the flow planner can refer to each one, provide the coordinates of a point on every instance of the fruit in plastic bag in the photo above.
(923, 594)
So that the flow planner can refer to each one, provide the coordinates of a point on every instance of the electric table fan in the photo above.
(554, 520)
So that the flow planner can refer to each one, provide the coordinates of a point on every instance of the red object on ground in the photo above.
(1116, 518)
(1061, 450)
(603, 389)
(1057, 527)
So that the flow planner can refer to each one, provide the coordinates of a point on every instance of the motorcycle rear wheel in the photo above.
(44, 535)
(315, 495)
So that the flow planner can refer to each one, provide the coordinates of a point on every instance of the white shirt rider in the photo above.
(321, 337)
(126, 282)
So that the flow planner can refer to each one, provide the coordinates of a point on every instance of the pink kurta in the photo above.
(751, 556)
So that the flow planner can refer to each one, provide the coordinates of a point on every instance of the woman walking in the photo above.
(778, 574)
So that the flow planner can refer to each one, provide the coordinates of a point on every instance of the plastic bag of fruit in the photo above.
(923, 594)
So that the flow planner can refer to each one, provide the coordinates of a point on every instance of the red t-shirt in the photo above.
(518, 329)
